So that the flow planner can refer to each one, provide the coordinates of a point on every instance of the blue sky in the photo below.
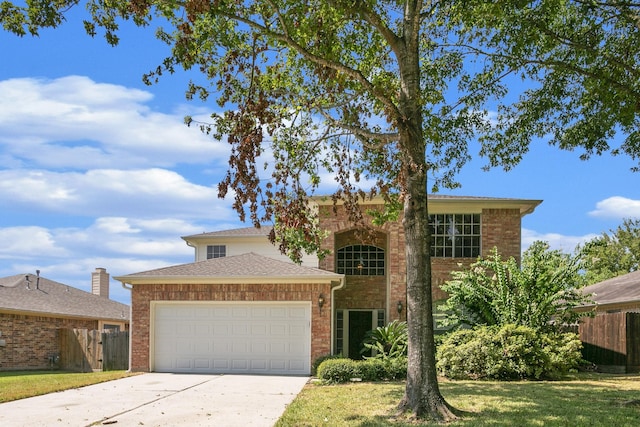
(98, 170)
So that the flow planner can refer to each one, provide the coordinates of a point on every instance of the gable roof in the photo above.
(245, 268)
(47, 297)
(621, 289)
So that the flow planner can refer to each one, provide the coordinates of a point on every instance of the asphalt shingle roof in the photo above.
(249, 265)
(52, 298)
(235, 232)
(625, 288)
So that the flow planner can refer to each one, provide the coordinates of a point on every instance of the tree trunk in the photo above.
(422, 395)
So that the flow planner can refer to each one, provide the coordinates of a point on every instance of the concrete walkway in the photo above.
(161, 400)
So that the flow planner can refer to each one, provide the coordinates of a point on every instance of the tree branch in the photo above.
(365, 136)
(285, 38)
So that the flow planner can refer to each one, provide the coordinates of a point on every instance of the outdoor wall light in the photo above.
(399, 307)
(320, 301)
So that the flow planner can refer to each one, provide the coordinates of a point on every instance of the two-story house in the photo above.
(242, 307)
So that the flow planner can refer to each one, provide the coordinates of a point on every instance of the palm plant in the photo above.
(387, 342)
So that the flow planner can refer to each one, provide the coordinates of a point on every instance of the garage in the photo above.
(231, 337)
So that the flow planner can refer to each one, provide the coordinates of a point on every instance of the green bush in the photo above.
(320, 359)
(396, 368)
(372, 369)
(339, 370)
(332, 370)
(508, 352)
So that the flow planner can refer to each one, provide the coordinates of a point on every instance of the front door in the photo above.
(360, 322)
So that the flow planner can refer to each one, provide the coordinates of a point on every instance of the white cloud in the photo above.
(106, 237)
(121, 245)
(562, 242)
(115, 225)
(617, 207)
(74, 122)
(29, 242)
(150, 193)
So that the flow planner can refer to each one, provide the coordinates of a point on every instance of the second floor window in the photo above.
(360, 260)
(455, 235)
(216, 251)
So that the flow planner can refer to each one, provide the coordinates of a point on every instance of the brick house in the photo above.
(34, 308)
(243, 308)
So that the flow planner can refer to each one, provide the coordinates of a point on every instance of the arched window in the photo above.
(360, 260)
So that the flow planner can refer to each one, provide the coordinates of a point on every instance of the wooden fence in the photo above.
(115, 351)
(86, 351)
(612, 341)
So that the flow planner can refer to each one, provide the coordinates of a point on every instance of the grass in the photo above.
(582, 400)
(16, 385)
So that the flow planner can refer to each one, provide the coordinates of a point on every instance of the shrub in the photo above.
(372, 369)
(342, 370)
(506, 353)
(396, 368)
(338, 370)
(541, 293)
(320, 359)
(564, 352)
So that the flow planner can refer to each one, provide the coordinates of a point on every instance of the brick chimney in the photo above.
(100, 282)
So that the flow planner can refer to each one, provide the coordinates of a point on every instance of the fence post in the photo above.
(633, 342)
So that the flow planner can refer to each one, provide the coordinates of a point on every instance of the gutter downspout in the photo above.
(195, 247)
(340, 285)
(124, 286)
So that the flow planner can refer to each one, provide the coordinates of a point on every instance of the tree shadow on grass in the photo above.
(542, 404)
(522, 404)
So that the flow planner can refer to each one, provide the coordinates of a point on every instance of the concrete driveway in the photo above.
(156, 399)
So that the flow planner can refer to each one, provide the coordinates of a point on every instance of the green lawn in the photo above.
(20, 384)
(583, 400)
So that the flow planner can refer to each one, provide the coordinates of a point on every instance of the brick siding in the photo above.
(31, 340)
(500, 228)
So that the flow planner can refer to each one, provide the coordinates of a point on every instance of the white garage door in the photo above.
(256, 338)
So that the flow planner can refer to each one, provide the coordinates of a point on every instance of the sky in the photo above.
(99, 170)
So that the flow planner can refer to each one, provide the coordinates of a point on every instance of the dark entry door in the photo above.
(359, 324)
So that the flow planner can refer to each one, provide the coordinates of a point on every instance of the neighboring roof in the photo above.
(621, 289)
(46, 297)
(246, 268)
(526, 206)
(263, 231)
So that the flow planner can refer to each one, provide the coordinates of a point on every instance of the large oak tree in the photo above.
(388, 91)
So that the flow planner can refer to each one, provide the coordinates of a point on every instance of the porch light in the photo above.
(320, 301)
(399, 307)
